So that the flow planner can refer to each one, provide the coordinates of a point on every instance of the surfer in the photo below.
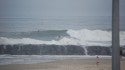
(58, 37)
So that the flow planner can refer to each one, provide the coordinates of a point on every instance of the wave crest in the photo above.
(76, 37)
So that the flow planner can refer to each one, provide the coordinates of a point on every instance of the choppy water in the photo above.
(61, 37)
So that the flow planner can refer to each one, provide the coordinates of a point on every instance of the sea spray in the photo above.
(85, 49)
(72, 37)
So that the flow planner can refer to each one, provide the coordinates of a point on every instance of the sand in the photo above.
(67, 64)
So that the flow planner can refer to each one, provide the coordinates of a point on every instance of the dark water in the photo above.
(55, 50)
(58, 42)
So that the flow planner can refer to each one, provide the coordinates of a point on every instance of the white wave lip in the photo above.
(77, 37)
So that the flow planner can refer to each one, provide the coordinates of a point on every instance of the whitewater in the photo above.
(32, 59)
(74, 37)
(82, 37)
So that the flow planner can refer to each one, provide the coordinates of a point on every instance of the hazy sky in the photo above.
(20, 15)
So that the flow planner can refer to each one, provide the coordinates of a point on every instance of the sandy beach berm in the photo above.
(67, 64)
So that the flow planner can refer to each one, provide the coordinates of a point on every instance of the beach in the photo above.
(66, 64)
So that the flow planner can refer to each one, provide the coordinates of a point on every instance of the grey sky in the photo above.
(40, 8)
(36, 10)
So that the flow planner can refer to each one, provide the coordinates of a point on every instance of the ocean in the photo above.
(84, 37)
(22, 47)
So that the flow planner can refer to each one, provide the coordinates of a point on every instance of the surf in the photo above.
(65, 37)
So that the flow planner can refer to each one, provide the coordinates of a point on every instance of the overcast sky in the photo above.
(51, 9)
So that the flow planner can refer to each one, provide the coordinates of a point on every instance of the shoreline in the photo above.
(66, 64)
(31, 59)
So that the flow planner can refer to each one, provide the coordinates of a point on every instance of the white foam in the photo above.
(77, 37)
(31, 59)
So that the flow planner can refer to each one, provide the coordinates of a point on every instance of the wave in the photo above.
(45, 35)
(73, 37)
(31, 59)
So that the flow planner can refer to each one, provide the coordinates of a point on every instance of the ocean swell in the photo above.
(76, 37)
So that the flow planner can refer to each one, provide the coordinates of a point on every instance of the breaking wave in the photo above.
(76, 37)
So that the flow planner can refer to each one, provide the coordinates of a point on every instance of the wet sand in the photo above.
(67, 64)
